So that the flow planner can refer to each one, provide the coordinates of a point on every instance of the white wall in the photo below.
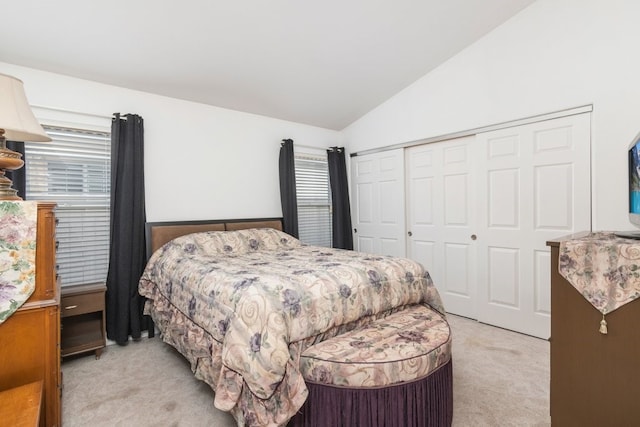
(208, 162)
(201, 162)
(554, 55)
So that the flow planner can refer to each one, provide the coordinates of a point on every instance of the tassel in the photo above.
(603, 325)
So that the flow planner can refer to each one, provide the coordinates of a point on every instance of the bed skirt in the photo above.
(427, 402)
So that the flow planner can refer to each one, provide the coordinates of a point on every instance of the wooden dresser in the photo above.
(30, 338)
(595, 378)
(21, 406)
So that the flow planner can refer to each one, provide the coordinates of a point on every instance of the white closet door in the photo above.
(441, 213)
(534, 186)
(377, 183)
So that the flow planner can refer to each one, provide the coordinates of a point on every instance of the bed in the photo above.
(247, 305)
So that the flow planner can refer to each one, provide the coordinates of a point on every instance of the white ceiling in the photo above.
(324, 63)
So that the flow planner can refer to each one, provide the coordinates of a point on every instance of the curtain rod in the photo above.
(62, 110)
(304, 146)
(309, 146)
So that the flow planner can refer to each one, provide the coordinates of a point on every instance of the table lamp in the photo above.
(17, 123)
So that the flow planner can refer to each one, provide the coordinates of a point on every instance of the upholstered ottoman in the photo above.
(394, 371)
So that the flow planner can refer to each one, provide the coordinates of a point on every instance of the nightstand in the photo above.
(83, 319)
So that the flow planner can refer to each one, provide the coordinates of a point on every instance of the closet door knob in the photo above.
(474, 237)
(410, 234)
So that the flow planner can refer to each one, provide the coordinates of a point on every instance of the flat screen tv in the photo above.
(633, 157)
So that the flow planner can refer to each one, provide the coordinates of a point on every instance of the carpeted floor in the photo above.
(500, 378)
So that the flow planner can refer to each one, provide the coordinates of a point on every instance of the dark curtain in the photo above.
(341, 216)
(288, 188)
(19, 177)
(127, 241)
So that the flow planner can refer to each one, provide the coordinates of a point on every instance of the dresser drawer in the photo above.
(73, 305)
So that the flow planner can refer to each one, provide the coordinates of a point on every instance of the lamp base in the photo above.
(9, 160)
(6, 192)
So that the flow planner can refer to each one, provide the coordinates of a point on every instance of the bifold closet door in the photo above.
(377, 192)
(535, 186)
(441, 217)
(481, 208)
(479, 211)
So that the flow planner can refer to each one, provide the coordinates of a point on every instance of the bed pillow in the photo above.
(237, 242)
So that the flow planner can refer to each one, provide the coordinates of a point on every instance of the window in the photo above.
(74, 170)
(314, 200)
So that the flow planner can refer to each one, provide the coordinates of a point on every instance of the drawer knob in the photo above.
(70, 307)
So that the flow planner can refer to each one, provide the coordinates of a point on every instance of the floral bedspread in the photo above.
(18, 224)
(604, 268)
(265, 297)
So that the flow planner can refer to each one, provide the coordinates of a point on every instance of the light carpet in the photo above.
(500, 378)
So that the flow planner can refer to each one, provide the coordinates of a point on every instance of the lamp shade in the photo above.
(16, 117)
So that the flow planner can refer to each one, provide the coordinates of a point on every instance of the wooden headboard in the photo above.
(159, 233)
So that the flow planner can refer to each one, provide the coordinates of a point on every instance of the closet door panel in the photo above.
(377, 182)
(441, 217)
(538, 187)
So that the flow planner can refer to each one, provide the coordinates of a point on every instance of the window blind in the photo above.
(74, 170)
(314, 200)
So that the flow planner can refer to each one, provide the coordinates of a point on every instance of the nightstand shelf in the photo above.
(83, 319)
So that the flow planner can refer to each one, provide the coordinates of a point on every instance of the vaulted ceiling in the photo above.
(324, 63)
